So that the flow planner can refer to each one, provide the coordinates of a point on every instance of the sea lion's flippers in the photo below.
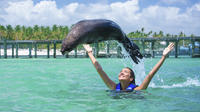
(132, 49)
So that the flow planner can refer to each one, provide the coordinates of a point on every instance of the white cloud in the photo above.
(174, 1)
(127, 14)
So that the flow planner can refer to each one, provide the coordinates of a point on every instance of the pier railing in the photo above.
(32, 45)
(167, 40)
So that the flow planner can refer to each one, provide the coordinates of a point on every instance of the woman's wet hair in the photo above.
(132, 75)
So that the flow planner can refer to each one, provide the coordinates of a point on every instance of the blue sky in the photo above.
(170, 16)
(143, 3)
(182, 4)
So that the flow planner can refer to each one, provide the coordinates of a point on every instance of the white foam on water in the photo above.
(188, 83)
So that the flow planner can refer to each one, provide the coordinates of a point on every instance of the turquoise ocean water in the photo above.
(73, 85)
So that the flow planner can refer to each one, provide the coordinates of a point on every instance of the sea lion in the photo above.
(90, 31)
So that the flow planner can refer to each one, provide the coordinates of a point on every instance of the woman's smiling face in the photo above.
(125, 75)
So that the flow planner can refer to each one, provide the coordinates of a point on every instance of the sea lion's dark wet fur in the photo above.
(90, 31)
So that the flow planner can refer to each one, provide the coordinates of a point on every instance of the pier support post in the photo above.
(176, 49)
(5, 48)
(66, 55)
(30, 49)
(199, 47)
(108, 49)
(96, 49)
(13, 50)
(193, 46)
(118, 51)
(54, 49)
(167, 43)
(86, 54)
(152, 49)
(17, 46)
(35, 46)
(48, 49)
(0, 50)
(189, 52)
(75, 50)
(143, 47)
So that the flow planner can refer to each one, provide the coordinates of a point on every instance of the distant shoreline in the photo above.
(44, 52)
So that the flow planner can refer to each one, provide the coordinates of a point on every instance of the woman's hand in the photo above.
(148, 78)
(87, 47)
(168, 49)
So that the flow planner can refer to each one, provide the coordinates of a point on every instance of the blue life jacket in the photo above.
(131, 87)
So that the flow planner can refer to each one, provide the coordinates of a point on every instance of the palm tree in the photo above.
(23, 33)
(181, 34)
(61, 32)
(2, 32)
(18, 32)
(10, 32)
(66, 30)
(47, 33)
(149, 33)
(168, 35)
(36, 32)
(154, 34)
(54, 28)
(160, 34)
(142, 32)
(29, 33)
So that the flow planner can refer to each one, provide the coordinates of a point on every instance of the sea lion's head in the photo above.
(68, 44)
(71, 41)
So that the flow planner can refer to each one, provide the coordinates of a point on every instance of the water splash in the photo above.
(188, 83)
(138, 69)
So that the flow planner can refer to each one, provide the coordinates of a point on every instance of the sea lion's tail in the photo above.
(132, 49)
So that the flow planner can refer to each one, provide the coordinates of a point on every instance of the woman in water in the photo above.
(126, 76)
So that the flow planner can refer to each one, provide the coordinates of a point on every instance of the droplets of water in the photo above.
(138, 69)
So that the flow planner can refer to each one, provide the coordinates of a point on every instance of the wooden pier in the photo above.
(14, 45)
(31, 44)
(152, 42)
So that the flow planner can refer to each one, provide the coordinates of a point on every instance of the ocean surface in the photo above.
(73, 85)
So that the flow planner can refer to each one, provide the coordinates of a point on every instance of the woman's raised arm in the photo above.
(148, 78)
(99, 69)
